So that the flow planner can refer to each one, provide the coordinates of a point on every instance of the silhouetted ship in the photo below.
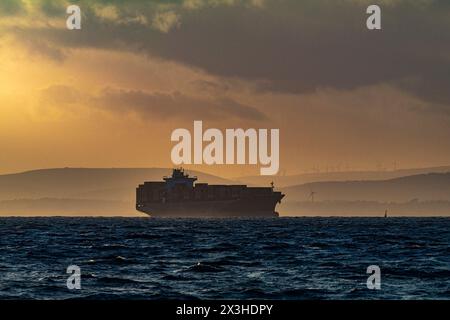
(177, 196)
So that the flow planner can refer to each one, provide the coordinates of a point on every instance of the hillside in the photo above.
(111, 192)
(423, 187)
(416, 195)
(79, 191)
(292, 180)
(116, 184)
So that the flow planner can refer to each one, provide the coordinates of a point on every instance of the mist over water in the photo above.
(285, 258)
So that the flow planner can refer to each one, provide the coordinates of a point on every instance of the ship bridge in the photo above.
(179, 178)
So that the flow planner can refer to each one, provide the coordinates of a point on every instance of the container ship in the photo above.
(179, 196)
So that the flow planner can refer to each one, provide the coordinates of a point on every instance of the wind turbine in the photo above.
(311, 195)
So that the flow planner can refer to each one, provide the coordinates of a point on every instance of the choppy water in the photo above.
(286, 258)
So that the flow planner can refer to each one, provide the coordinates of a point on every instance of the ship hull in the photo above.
(258, 207)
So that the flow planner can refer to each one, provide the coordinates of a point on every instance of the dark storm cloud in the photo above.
(165, 105)
(52, 8)
(212, 87)
(146, 104)
(289, 46)
(301, 47)
(11, 7)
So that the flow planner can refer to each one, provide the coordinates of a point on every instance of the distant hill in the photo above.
(117, 184)
(416, 195)
(292, 180)
(111, 192)
(80, 191)
(423, 187)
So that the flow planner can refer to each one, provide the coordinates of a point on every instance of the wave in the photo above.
(205, 267)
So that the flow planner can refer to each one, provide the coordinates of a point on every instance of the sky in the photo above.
(110, 94)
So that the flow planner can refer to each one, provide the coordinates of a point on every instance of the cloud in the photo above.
(52, 8)
(285, 46)
(165, 21)
(11, 7)
(61, 95)
(211, 87)
(173, 105)
(44, 48)
(151, 105)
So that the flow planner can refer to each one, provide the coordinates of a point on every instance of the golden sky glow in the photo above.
(87, 101)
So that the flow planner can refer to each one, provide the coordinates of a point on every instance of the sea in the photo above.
(284, 258)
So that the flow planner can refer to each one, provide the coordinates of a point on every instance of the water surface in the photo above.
(285, 258)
